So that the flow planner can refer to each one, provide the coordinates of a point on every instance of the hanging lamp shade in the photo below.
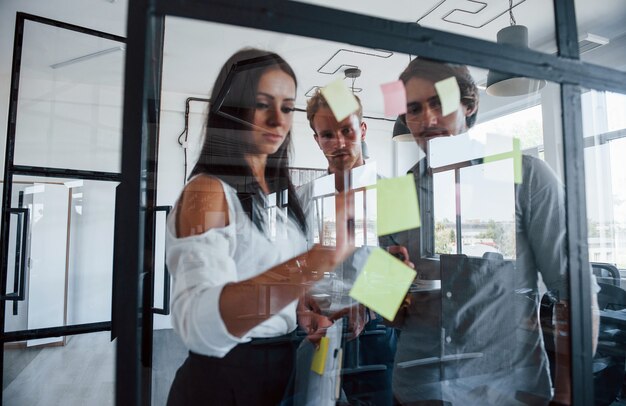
(506, 84)
(401, 132)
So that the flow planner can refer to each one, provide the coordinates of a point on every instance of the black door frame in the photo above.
(140, 136)
(10, 170)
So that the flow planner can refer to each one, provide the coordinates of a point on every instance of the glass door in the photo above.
(61, 172)
(475, 231)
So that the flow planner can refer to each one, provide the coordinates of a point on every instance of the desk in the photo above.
(615, 317)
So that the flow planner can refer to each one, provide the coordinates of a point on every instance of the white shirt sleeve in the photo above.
(200, 267)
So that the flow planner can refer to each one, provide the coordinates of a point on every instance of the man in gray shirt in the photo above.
(478, 341)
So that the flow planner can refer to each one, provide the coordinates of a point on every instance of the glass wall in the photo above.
(365, 285)
(58, 215)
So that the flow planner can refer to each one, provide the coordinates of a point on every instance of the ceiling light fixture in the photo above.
(88, 56)
(506, 84)
(401, 132)
(354, 73)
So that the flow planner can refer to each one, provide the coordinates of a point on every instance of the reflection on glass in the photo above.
(236, 243)
(478, 340)
(489, 251)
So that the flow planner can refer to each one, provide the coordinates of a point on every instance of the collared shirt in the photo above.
(478, 341)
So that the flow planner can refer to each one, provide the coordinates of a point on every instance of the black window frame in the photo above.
(145, 23)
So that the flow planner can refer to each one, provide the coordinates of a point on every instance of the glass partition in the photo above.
(457, 287)
(59, 189)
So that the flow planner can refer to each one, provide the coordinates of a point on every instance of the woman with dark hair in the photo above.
(236, 244)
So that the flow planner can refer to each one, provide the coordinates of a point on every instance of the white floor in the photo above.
(79, 373)
(83, 371)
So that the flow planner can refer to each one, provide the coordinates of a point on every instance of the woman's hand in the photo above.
(314, 324)
(357, 318)
(291, 279)
(400, 252)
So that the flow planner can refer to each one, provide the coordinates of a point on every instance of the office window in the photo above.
(605, 148)
(490, 230)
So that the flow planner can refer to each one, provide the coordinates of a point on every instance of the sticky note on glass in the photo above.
(340, 99)
(383, 283)
(516, 154)
(396, 205)
(449, 95)
(395, 98)
(319, 357)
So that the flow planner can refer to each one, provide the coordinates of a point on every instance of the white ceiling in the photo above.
(195, 50)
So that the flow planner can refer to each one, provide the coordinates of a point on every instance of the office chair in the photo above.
(610, 358)
(606, 273)
(363, 365)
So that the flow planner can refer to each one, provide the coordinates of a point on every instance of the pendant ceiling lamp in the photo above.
(401, 132)
(506, 84)
(354, 73)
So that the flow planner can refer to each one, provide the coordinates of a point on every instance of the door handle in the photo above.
(20, 255)
(165, 308)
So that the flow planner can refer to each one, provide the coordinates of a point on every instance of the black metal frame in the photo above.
(10, 170)
(165, 307)
(304, 19)
(20, 257)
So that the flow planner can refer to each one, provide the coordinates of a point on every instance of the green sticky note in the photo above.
(516, 154)
(397, 206)
(340, 99)
(383, 283)
(319, 357)
(517, 161)
(449, 95)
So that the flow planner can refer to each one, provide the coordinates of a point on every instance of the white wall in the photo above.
(91, 252)
(46, 276)
(96, 14)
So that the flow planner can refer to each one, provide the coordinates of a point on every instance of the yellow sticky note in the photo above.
(340, 99)
(383, 283)
(449, 95)
(319, 357)
(397, 206)
(516, 154)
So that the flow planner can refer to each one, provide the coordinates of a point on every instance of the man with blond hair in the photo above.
(341, 142)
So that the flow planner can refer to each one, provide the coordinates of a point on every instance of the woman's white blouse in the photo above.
(201, 265)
